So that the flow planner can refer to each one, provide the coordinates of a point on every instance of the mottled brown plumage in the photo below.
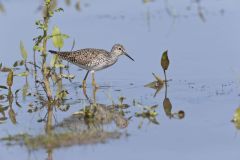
(93, 59)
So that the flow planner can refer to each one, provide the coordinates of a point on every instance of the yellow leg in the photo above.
(84, 85)
(94, 84)
(84, 81)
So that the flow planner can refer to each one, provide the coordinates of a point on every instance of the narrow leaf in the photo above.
(23, 74)
(23, 51)
(12, 116)
(54, 60)
(10, 78)
(57, 38)
(3, 87)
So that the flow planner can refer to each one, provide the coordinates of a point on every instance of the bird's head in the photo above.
(119, 50)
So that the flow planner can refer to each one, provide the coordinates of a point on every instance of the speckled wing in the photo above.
(84, 58)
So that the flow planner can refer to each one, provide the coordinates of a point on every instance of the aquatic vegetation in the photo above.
(156, 85)
(148, 112)
(65, 139)
(165, 63)
(236, 118)
(83, 127)
(2, 8)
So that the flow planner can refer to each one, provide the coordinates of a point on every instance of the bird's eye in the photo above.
(119, 48)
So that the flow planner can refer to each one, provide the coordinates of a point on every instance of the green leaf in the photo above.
(57, 38)
(164, 60)
(18, 63)
(65, 36)
(236, 118)
(10, 78)
(23, 51)
(23, 74)
(59, 65)
(37, 48)
(54, 60)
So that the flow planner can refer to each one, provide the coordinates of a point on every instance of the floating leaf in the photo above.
(3, 87)
(10, 78)
(2, 9)
(181, 114)
(5, 69)
(236, 118)
(12, 115)
(167, 107)
(154, 85)
(57, 38)
(154, 120)
(164, 60)
(157, 85)
(3, 119)
(23, 51)
(149, 111)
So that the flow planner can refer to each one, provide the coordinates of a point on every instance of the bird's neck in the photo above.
(114, 56)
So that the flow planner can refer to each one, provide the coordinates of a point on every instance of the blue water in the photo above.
(204, 68)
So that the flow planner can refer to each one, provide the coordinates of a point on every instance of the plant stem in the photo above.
(44, 53)
(165, 82)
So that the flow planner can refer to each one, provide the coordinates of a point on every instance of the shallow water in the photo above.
(203, 67)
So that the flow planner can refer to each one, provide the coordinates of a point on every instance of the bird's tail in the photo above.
(53, 52)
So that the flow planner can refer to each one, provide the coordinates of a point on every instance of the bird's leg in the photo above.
(84, 80)
(94, 84)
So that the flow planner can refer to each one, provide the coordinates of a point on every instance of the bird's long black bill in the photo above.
(128, 56)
